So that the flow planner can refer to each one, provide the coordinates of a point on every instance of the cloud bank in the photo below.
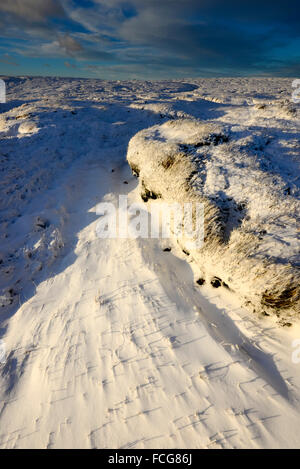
(155, 38)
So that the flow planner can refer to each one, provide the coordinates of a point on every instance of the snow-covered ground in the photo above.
(251, 211)
(111, 343)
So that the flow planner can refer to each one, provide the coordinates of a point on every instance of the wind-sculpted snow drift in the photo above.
(110, 343)
(251, 241)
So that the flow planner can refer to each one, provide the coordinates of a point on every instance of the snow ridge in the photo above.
(246, 209)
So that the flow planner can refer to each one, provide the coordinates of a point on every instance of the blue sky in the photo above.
(149, 39)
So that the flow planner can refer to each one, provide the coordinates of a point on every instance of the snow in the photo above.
(250, 219)
(111, 343)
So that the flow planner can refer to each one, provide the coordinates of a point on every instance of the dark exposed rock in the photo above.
(216, 282)
(200, 281)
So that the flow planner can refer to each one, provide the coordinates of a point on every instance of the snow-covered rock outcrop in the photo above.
(251, 241)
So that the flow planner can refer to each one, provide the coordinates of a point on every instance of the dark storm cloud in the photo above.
(231, 33)
(183, 36)
(30, 11)
(33, 20)
(195, 43)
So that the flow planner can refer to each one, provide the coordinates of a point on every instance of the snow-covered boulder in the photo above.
(251, 240)
(27, 127)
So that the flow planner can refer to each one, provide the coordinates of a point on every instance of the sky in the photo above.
(149, 39)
